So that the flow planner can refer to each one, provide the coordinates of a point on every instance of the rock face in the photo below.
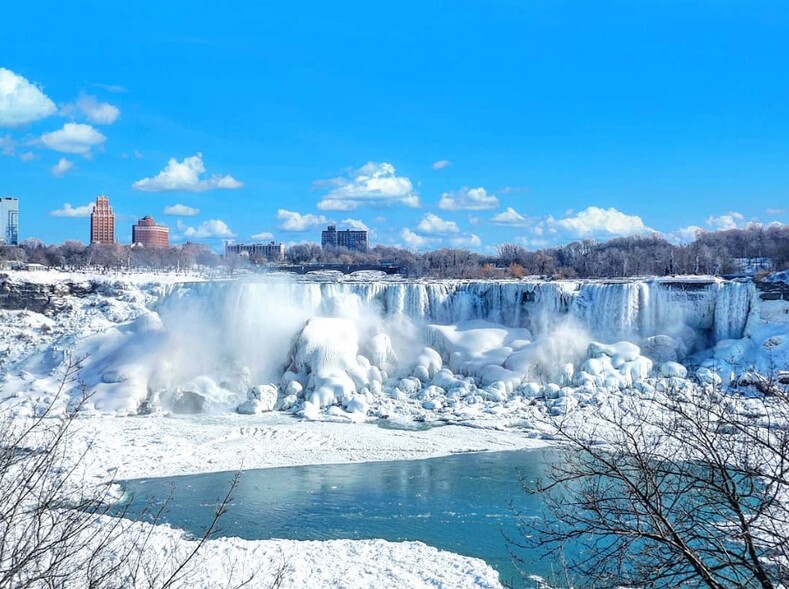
(773, 291)
(47, 299)
(187, 403)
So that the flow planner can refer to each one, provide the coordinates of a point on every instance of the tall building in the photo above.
(150, 235)
(9, 220)
(273, 252)
(102, 222)
(353, 239)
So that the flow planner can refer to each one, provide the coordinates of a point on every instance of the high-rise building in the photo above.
(150, 235)
(102, 222)
(353, 239)
(273, 252)
(9, 220)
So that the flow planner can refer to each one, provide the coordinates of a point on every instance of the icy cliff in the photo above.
(610, 310)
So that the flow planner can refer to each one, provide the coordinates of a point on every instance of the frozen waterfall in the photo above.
(626, 310)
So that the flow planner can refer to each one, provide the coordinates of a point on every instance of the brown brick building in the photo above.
(102, 222)
(150, 235)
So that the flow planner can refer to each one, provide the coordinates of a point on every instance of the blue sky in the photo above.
(467, 123)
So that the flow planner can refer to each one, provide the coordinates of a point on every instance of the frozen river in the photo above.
(461, 503)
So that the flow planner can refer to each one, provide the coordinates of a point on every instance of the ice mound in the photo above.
(472, 346)
(119, 363)
(260, 399)
(327, 346)
(329, 369)
(664, 348)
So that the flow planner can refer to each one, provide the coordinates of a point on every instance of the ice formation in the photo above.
(450, 350)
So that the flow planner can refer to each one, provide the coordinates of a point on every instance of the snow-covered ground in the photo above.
(159, 445)
(281, 372)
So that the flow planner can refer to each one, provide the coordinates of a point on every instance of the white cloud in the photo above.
(185, 176)
(510, 217)
(434, 225)
(228, 182)
(69, 211)
(413, 240)
(724, 222)
(355, 224)
(100, 113)
(7, 145)
(592, 222)
(466, 241)
(59, 169)
(434, 232)
(213, 228)
(596, 221)
(265, 236)
(27, 156)
(21, 101)
(441, 164)
(293, 221)
(513, 189)
(374, 184)
(181, 211)
(776, 211)
(683, 235)
(730, 220)
(533, 243)
(114, 88)
(468, 199)
(334, 204)
(73, 138)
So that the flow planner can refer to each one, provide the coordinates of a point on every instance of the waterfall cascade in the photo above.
(463, 347)
(613, 311)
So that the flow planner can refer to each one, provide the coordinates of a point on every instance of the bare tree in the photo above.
(58, 529)
(689, 489)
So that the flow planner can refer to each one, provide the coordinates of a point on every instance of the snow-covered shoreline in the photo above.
(161, 446)
(164, 446)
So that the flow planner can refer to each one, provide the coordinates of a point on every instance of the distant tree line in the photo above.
(718, 253)
(75, 255)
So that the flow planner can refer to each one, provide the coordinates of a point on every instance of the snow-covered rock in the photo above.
(673, 370)
(260, 399)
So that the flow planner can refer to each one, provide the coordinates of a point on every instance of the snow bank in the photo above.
(330, 564)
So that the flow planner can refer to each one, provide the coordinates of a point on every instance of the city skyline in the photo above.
(563, 122)
(102, 228)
